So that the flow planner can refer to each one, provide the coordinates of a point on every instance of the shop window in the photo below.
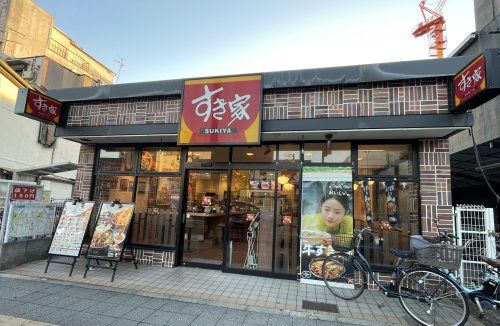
(116, 159)
(156, 210)
(109, 188)
(385, 159)
(391, 209)
(286, 222)
(321, 153)
(251, 217)
(206, 154)
(257, 154)
(289, 153)
(160, 160)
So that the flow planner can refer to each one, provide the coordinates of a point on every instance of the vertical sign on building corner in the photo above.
(221, 111)
(468, 83)
(37, 106)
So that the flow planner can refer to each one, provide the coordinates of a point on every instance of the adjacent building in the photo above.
(468, 184)
(45, 58)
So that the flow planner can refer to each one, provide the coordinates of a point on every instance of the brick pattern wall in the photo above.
(149, 110)
(435, 184)
(428, 96)
(83, 182)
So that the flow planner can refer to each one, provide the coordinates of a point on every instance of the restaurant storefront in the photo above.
(238, 204)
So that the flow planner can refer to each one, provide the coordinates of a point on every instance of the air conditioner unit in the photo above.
(27, 74)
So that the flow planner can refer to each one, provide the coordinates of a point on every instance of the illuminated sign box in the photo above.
(221, 111)
(39, 107)
(477, 83)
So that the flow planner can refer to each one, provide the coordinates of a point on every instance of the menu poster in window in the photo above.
(368, 204)
(71, 229)
(163, 193)
(111, 230)
(327, 202)
(392, 203)
(29, 221)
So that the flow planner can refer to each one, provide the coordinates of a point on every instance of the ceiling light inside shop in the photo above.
(288, 186)
(249, 154)
(371, 182)
(283, 179)
(355, 186)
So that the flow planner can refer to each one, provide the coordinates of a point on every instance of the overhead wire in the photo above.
(480, 165)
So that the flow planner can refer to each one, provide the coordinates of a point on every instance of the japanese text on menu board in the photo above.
(221, 111)
(23, 193)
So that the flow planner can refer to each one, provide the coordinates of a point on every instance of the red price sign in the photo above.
(221, 111)
(23, 193)
(470, 81)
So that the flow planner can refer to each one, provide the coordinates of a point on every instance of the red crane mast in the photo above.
(434, 26)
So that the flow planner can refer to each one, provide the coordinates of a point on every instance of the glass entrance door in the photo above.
(205, 217)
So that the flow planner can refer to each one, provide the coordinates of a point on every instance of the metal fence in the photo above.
(475, 229)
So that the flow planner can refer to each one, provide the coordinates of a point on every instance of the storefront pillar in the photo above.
(435, 185)
(83, 182)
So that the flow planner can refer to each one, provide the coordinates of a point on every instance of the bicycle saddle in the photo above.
(401, 253)
(492, 262)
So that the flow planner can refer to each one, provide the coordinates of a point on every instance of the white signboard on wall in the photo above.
(29, 221)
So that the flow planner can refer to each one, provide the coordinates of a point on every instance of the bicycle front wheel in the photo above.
(432, 298)
(343, 276)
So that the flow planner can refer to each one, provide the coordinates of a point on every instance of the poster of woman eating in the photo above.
(326, 216)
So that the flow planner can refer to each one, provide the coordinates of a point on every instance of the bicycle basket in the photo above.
(440, 256)
(342, 242)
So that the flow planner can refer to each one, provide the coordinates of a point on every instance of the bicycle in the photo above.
(419, 288)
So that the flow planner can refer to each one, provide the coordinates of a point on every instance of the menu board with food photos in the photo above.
(111, 230)
(71, 229)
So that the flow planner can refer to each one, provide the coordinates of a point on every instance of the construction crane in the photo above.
(434, 26)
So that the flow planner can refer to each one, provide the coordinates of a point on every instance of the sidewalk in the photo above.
(72, 305)
(239, 295)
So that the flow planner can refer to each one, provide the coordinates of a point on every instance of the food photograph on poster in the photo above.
(111, 231)
(71, 229)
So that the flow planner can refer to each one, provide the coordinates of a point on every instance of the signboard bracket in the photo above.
(72, 263)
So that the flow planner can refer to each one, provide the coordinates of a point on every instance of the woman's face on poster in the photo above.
(333, 212)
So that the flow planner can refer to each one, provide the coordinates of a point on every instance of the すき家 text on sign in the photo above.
(23, 193)
(470, 81)
(221, 111)
(40, 107)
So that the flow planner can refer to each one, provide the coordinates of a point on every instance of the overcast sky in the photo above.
(168, 39)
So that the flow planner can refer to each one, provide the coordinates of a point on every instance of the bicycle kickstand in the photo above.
(478, 304)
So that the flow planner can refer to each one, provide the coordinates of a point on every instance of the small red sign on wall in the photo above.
(23, 193)
(220, 111)
(469, 81)
(39, 107)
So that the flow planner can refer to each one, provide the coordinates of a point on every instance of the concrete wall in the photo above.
(20, 252)
(28, 28)
(486, 117)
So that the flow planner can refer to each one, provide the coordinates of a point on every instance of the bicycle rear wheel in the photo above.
(432, 298)
(344, 276)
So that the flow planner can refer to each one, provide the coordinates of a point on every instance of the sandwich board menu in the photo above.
(68, 238)
(110, 232)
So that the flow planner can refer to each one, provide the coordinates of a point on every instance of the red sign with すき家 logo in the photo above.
(220, 111)
(469, 81)
(43, 107)
(23, 193)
